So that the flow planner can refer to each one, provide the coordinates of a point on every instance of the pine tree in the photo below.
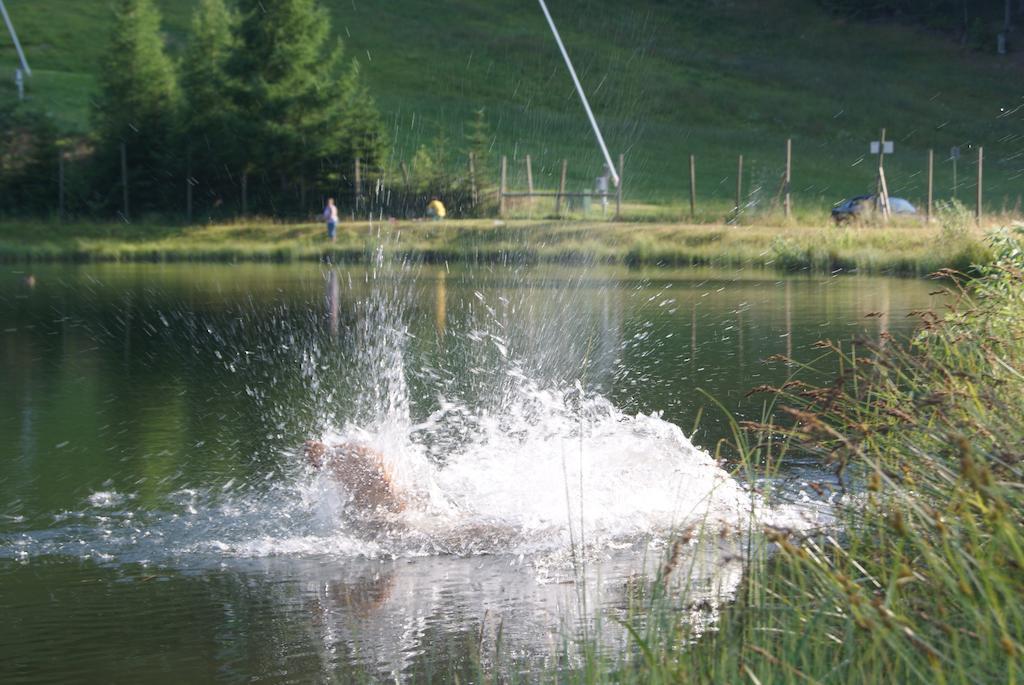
(284, 91)
(427, 177)
(137, 107)
(479, 142)
(28, 161)
(440, 149)
(363, 135)
(206, 116)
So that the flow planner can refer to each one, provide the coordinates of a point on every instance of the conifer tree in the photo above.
(137, 107)
(479, 142)
(427, 177)
(284, 89)
(363, 135)
(206, 116)
(440, 148)
(28, 160)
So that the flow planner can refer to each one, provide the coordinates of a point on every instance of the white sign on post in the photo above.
(887, 149)
(954, 153)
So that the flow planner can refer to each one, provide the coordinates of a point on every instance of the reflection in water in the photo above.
(693, 335)
(286, 618)
(387, 612)
(331, 288)
(883, 319)
(789, 320)
(739, 336)
(441, 302)
(151, 415)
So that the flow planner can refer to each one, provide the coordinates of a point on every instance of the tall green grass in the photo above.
(911, 248)
(922, 577)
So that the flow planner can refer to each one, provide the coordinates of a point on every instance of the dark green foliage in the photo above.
(285, 96)
(28, 162)
(426, 176)
(909, 8)
(436, 170)
(278, 106)
(263, 96)
(362, 131)
(441, 150)
(203, 77)
(137, 107)
(480, 143)
(441, 169)
(206, 115)
(968, 19)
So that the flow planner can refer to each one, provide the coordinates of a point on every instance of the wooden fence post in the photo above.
(124, 180)
(473, 198)
(188, 188)
(60, 185)
(739, 183)
(501, 186)
(931, 184)
(787, 203)
(561, 188)
(529, 185)
(693, 186)
(882, 196)
(978, 208)
(358, 185)
(618, 191)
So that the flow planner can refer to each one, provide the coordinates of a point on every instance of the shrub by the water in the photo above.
(28, 162)
(927, 440)
(954, 219)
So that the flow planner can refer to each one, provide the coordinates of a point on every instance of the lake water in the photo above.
(158, 522)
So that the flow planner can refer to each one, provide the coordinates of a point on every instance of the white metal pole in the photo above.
(14, 37)
(583, 97)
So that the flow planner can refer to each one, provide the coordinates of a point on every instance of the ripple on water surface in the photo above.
(500, 403)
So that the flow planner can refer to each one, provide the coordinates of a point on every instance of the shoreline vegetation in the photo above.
(920, 576)
(902, 248)
(922, 579)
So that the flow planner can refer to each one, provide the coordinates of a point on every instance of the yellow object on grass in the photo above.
(436, 210)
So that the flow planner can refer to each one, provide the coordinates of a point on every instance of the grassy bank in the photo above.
(901, 248)
(924, 578)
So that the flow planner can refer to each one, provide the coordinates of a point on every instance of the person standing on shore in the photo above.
(331, 217)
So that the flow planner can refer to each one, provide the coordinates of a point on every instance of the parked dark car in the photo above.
(863, 205)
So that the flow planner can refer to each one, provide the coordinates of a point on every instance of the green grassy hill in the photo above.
(667, 79)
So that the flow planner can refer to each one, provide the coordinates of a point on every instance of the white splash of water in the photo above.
(527, 460)
(103, 498)
(554, 469)
(525, 465)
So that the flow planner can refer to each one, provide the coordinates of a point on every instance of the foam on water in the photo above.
(106, 498)
(557, 468)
